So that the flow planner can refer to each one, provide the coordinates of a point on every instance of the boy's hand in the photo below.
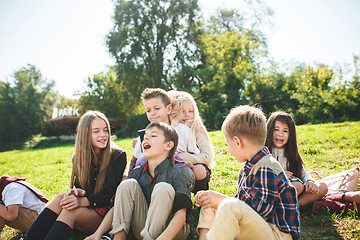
(288, 174)
(311, 187)
(134, 141)
(208, 199)
(70, 202)
(78, 192)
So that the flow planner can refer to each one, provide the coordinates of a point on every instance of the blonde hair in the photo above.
(177, 98)
(84, 154)
(246, 121)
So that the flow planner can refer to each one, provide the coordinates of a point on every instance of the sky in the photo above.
(65, 39)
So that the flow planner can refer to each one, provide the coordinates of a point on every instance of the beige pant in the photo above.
(131, 210)
(234, 219)
(23, 221)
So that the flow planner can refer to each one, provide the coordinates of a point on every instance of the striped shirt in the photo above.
(266, 189)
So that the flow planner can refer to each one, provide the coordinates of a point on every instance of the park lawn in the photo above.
(326, 148)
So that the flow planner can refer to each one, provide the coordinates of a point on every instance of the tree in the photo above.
(272, 91)
(314, 94)
(230, 63)
(26, 103)
(106, 93)
(152, 41)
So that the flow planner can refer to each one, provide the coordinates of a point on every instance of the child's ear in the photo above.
(238, 141)
(169, 108)
(169, 145)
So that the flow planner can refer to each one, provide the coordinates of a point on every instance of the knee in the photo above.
(127, 184)
(230, 204)
(163, 189)
(199, 171)
(299, 187)
(323, 189)
(54, 205)
(58, 198)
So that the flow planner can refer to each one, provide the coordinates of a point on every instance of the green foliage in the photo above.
(134, 123)
(25, 104)
(229, 65)
(272, 92)
(153, 40)
(107, 93)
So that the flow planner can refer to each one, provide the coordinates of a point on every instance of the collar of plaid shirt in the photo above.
(249, 164)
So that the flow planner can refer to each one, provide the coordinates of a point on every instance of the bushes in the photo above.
(134, 123)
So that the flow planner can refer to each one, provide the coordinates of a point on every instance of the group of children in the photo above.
(172, 158)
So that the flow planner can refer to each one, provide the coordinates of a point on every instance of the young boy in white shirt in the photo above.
(21, 203)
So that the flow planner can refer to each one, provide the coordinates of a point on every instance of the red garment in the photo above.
(334, 203)
(6, 179)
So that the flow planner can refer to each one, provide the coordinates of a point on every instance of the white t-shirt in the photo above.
(16, 193)
(186, 141)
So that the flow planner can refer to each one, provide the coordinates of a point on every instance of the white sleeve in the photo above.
(305, 175)
(186, 143)
(137, 149)
(13, 194)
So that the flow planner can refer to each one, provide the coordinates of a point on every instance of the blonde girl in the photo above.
(97, 169)
(281, 141)
(185, 111)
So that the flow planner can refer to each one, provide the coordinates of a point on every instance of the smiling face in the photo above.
(187, 112)
(99, 134)
(280, 134)
(154, 144)
(156, 111)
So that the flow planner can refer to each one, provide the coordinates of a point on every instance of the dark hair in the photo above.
(149, 93)
(294, 163)
(169, 133)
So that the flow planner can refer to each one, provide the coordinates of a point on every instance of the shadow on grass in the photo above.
(317, 226)
(313, 226)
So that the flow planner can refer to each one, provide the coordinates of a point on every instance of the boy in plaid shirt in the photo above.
(265, 206)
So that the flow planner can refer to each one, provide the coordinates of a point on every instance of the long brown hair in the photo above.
(294, 163)
(84, 154)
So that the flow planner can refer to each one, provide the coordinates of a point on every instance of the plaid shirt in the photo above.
(270, 195)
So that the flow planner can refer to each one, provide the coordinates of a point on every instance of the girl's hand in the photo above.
(134, 141)
(78, 192)
(288, 174)
(70, 202)
(311, 187)
(208, 199)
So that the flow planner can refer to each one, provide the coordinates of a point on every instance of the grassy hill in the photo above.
(326, 148)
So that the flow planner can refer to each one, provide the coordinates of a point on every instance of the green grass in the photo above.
(326, 148)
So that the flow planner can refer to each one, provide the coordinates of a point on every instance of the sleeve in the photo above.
(116, 171)
(137, 149)
(13, 193)
(264, 190)
(206, 153)
(182, 193)
(305, 175)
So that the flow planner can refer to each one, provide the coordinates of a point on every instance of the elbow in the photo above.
(11, 217)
